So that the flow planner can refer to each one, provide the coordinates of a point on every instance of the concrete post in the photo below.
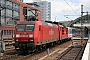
(89, 48)
(2, 46)
(48, 52)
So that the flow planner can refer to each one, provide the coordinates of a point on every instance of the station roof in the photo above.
(77, 22)
(85, 19)
(84, 25)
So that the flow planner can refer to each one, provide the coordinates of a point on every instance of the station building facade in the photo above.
(11, 11)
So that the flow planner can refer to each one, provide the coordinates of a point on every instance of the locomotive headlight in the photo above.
(17, 35)
(17, 40)
(31, 35)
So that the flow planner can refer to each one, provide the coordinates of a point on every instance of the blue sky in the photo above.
(72, 8)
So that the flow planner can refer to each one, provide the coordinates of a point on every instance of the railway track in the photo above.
(13, 55)
(16, 57)
(72, 53)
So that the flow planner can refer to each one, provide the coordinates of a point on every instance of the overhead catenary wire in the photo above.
(70, 6)
(73, 4)
(86, 7)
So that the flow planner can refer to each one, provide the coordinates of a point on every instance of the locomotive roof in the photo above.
(24, 22)
(56, 23)
(48, 24)
(53, 22)
(45, 23)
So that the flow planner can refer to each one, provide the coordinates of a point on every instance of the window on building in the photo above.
(3, 12)
(8, 13)
(7, 19)
(2, 20)
(15, 7)
(2, 1)
(10, 21)
(15, 14)
(9, 4)
(10, 32)
(5, 32)
(14, 21)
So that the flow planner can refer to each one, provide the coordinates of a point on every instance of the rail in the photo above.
(72, 53)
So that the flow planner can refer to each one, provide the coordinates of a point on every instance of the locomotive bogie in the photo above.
(23, 45)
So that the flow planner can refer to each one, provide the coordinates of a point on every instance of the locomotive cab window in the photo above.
(25, 27)
(20, 27)
(30, 27)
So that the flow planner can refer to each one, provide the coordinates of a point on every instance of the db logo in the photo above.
(51, 32)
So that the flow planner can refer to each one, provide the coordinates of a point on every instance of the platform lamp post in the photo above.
(66, 16)
(55, 18)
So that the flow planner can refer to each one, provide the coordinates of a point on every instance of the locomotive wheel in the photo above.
(44, 46)
(38, 48)
(58, 42)
(41, 47)
(31, 51)
(52, 44)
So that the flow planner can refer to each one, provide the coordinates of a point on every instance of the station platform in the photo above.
(86, 54)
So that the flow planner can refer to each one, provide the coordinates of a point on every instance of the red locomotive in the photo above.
(32, 35)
